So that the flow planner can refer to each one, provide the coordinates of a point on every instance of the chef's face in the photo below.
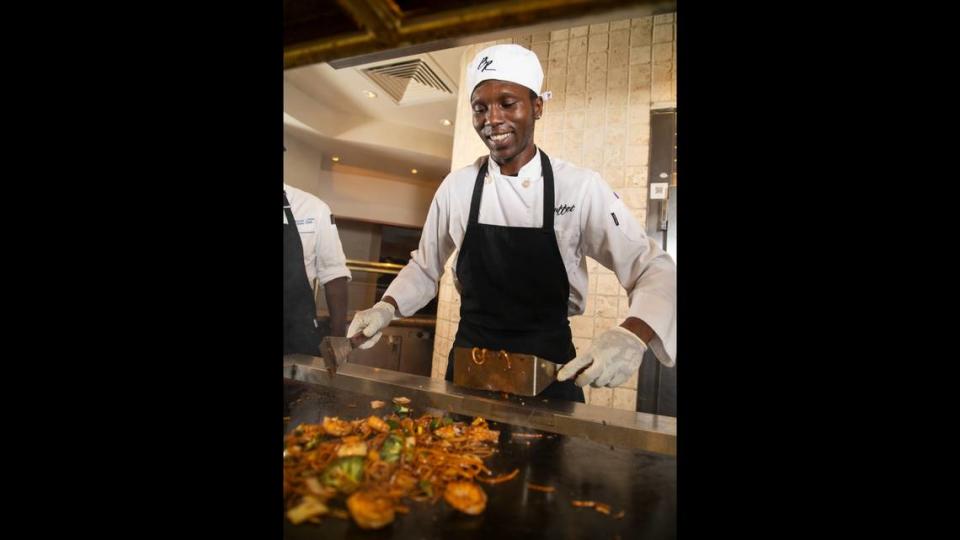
(504, 114)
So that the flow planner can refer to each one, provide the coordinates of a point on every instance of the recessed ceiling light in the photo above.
(445, 122)
(335, 158)
(369, 94)
(414, 171)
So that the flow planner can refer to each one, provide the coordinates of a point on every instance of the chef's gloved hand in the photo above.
(616, 355)
(371, 322)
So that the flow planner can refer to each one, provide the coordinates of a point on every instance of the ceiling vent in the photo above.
(410, 82)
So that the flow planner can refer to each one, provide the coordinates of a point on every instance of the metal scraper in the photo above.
(336, 350)
(500, 371)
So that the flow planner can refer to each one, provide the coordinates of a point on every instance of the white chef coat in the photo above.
(590, 220)
(322, 252)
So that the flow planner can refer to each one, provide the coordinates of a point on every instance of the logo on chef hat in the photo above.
(484, 64)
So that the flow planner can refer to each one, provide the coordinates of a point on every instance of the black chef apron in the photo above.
(300, 333)
(514, 288)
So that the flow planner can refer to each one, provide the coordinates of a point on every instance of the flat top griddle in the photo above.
(643, 484)
(604, 425)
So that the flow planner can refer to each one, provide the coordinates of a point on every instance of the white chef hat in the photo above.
(511, 63)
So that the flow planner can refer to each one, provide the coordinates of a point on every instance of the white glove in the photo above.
(371, 322)
(616, 355)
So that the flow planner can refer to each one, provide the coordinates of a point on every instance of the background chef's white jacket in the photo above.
(583, 225)
(322, 252)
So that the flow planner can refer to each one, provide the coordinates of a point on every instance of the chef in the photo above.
(523, 224)
(312, 253)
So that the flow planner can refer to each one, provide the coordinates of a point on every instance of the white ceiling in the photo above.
(327, 108)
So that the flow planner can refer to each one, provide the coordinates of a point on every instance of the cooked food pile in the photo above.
(372, 465)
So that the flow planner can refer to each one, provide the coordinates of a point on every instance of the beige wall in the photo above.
(605, 79)
(354, 193)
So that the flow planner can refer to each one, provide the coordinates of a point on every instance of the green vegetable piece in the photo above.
(390, 451)
(344, 474)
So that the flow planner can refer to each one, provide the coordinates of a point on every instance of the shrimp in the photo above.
(378, 424)
(466, 497)
(336, 427)
(370, 511)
